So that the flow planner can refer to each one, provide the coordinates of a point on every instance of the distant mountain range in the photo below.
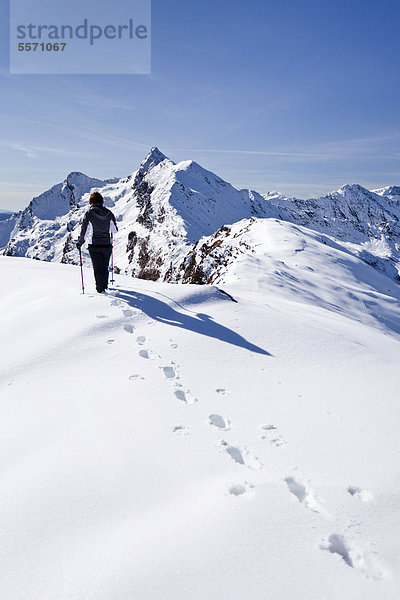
(175, 221)
(5, 214)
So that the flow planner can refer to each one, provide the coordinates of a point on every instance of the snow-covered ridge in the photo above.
(390, 190)
(275, 257)
(365, 222)
(163, 210)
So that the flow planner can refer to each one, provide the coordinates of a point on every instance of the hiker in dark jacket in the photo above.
(97, 226)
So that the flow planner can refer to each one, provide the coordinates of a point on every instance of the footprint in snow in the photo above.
(136, 378)
(268, 427)
(265, 428)
(141, 339)
(363, 495)
(148, 354)
(102, 316)
(240, 489)
(354, 556)
(222, 391)
(269, 433)
(169, 372)
(181, 430)
(129, 328)
(304, 495)
(174, 346)
(219, 422)
(336, 544)
(128, 313)
(241, 455)
(276, 440)
(185, 396)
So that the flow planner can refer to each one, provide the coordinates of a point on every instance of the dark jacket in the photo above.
(97, 225)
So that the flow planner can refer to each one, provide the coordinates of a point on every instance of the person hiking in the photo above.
(97, 226)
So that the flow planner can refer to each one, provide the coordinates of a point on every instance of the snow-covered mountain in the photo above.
(5, 214)
(169, 207)
(365, 222)
(164, 209)
(43, 229)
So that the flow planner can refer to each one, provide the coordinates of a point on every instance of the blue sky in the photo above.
(299, 96)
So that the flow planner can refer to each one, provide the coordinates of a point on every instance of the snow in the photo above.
(273, 257)
(162, 441)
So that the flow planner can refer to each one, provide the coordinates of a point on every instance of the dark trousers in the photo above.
(100, 256)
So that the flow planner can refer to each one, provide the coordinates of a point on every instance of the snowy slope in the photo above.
(165, 442)
(272, 256)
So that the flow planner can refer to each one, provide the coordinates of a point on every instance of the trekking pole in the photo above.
(112, 258)
(80, 260)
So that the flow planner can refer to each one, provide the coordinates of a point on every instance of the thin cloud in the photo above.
(29, 152)
(92, 130)
(102, 101)
(386, 146)
(34, 151)
(253, 152)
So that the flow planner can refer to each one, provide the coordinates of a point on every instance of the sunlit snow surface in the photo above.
(164, 442)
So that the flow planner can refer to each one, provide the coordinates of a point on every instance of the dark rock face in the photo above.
(143, 194)
(192, 272)
(143, 190)
(192, 269)
(69, 246)
(147, 262)
(131, 245)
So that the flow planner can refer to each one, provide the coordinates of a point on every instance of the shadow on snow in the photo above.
(201, 323)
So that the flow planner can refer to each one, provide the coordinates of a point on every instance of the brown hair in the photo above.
(96, 198)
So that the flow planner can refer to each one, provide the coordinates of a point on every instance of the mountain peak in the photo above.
(78, 178)
(75, 174)
(352, 187)
(154, 158)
